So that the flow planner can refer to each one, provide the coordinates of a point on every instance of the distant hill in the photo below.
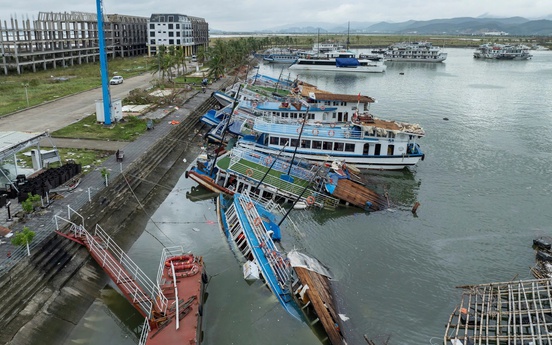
(456, 26)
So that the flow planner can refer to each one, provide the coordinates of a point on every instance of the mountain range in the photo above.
(453, 26)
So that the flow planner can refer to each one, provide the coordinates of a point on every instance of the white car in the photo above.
(116, 80)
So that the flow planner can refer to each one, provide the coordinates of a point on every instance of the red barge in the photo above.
(172, 306)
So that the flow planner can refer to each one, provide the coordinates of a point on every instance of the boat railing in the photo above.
(145, 332)
(122, 270)
(276, 261)
(310, 131)
(274, 163)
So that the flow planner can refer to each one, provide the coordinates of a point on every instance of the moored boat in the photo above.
(414, 52)
(172, 305)
(339, 61)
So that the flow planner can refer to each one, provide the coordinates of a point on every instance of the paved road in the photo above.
(62, 112)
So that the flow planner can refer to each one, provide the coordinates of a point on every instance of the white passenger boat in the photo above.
(502, 52)
(366, 142)
(414, 52)
(339, 61)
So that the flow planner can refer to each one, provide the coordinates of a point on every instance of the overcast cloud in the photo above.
(249, 15)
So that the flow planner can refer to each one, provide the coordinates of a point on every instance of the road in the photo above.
(57, 114)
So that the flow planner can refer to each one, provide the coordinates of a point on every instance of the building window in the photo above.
(178, 34)
(171, 34)
(152, 26)
(152, 33)
(171, 19)
(152, 41)
(177, 26)
(178, 42)
(171, 41)
(170, 25)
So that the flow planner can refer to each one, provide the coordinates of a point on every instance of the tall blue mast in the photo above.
(103, 65)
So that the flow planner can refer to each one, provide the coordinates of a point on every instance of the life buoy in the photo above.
(298, 129)
(268, 160)
(315, 131)
(249, 172)
(248, 206)
(310, 200)
(322, 107)
(236, 112)
(347, 134)
(183, 272)
(250, 122)
(179, 260)
(332, 124)
(331, 132)
(285, 166)
(254, 104)
(257, 221)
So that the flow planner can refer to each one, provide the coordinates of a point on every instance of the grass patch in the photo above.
(44, 86)
(88, 128)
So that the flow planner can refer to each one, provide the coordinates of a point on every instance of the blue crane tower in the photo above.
(103, 65)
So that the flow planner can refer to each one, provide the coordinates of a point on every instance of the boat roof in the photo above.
(308, 91)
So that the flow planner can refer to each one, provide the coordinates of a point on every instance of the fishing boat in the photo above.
(314, 293)
(172, 305)
(252, 227)
(366, 141)
(285, 56)
(339, 61)
(414, 52)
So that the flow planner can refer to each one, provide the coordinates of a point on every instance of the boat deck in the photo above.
(515, 312)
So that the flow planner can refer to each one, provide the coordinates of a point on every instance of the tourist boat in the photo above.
(314, 293)
(502, 52)
(172, 306)
(339, 61)
(414, 52)
(366, 141)
(252, 227)
(288, 57)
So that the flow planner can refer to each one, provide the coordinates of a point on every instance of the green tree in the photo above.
(23, 238)
(29, 204)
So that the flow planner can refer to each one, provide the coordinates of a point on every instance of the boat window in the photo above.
(293, 142)
(327, 145)
(334, 115)
(305, 144)
(349, 147)
(274, 140)
(284, 141)
(338, 146)
(377, 150)
(316, 144)
(311, 116)
(366, 149)
(390, 134)
(390, 150)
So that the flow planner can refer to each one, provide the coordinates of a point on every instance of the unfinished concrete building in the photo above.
(65, 39)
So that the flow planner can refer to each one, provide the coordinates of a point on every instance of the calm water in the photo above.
(484, 188)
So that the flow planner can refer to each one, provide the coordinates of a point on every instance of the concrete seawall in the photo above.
(43, 297)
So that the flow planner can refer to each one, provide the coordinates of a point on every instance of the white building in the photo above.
(177, 30)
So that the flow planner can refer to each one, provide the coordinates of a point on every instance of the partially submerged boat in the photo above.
(314, 293)
(252, 227)
(172, 305)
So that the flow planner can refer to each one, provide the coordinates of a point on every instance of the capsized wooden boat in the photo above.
(313, 291)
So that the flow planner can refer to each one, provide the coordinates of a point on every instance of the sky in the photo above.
(254, 15)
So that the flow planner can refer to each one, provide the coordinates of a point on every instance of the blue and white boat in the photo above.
(252, 227)
(366, 142)
(288, 58)
(339, 61)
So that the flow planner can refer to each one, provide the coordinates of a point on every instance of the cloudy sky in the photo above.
(244, 15)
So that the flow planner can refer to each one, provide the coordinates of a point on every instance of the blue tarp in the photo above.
(346, 62)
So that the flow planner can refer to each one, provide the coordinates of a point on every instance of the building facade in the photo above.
(177, 30)
(65, 39)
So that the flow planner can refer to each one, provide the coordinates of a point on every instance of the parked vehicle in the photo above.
(116, 80)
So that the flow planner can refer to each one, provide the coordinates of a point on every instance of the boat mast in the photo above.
(300, 133)
(348, 31)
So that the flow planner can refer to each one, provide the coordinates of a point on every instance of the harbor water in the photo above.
(484, 190)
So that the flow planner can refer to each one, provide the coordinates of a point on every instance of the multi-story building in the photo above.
(65, 39)
(177, 30)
